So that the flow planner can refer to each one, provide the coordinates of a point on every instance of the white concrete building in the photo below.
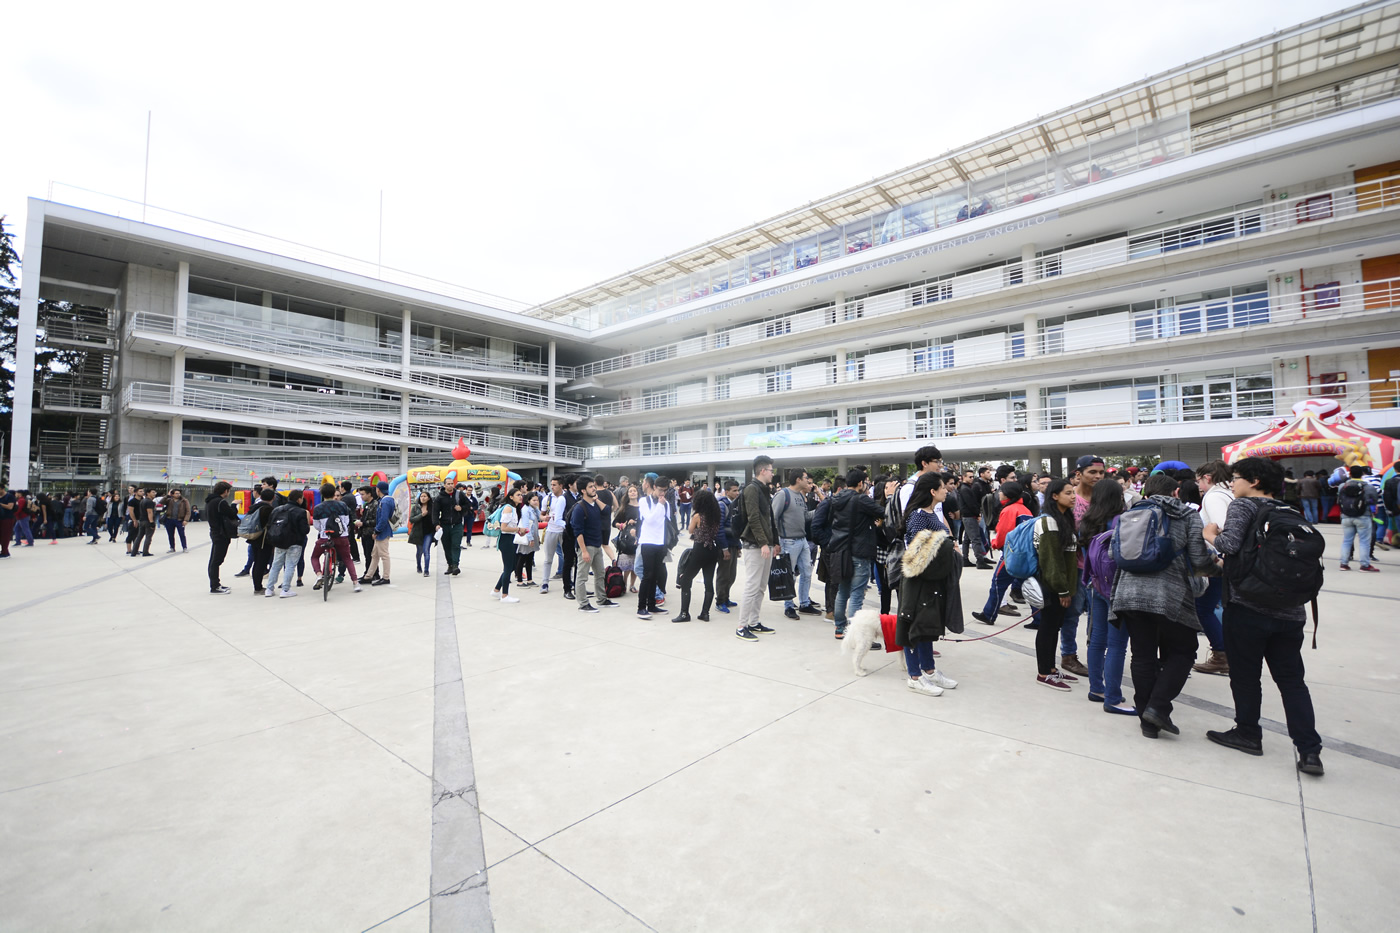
(1161, 269)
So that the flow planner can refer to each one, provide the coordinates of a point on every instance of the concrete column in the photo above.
(1028, 263)
(840, 364)
(840, 299)
(177, 392)
(27, 336)
(405, 367)
(1034, 461)
(182, 298)
(1034, 413)
(841, 466)
(1032, 331)
(710, 474)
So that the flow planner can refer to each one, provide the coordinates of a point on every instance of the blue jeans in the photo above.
(1108, 644)
(850, 594)
(801, 556)
(1205, 612)
(90, 526)
(1001, 582)
(1310, 510)
(1358, 528)
(684, 509)
(284, 564)
(918, 658)
(1327, 502)
(1069, 628)
(424, 555)
(22, 532)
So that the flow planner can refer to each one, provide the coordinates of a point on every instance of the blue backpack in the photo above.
(1019, 553)
(1142, 542)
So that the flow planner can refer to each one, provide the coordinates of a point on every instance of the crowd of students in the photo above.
(911, 539)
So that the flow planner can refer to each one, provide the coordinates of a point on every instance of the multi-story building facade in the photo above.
(1160, 270)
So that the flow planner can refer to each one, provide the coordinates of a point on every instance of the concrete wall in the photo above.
(152, 290)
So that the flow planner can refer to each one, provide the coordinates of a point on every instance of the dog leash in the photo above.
(994, 634)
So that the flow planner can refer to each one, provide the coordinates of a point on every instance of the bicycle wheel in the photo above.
(327, 580)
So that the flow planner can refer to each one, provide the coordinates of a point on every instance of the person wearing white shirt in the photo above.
(651, 545)
(554, 507)
(1213, 480)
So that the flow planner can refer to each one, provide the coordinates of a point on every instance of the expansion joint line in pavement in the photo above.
(94, 581)
(460, 898)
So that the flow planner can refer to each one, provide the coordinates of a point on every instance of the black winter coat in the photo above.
(930, 603)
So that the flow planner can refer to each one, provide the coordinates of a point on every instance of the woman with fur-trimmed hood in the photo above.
(929, 600)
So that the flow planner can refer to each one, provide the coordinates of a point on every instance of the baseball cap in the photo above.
(1085, 460)
(383, 486)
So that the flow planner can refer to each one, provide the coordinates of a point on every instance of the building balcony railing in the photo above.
(206, 471)
(368, 417)
(420, 408)
(1121, 154)
(1257, 406)
(58, 398)
(1314, 210)
(1317, 305)
(331, 352)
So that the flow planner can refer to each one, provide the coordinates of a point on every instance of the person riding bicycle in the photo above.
(331, 519)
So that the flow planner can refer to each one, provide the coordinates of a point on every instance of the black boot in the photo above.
(685, 607)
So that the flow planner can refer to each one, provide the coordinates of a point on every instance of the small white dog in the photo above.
(862, 631)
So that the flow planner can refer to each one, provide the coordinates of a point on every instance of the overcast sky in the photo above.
(531, 149)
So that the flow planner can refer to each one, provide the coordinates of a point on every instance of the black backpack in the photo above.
(1351, 498)
(101, 507)
(279, 527)
(1279, 564)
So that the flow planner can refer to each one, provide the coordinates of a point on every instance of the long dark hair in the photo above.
(707, 507)
(1064, 519)
(923, 494)
(1105, 504)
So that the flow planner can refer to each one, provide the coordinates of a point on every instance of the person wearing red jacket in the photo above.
(1012, 507)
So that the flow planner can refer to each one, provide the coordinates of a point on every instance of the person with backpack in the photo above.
(752, 523)
(1213, 482)
(727, 567)
(790, 514)
(704, 531)
(331, 519)
(1013, 510)
(1108, 636)
(1158, 549)
(263, 549)
(820, 534)
(854, 519)
(508, 523)
(1355, 497)
(223, 529)
(287, 531)
(1273, 569)
(385, 509)
(365, 529)
(473, 506)
(177, 512)
(1390, 500)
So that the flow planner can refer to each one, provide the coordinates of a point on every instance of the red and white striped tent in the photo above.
(1318, 428)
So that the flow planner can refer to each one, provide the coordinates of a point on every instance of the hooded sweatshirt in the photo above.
(1168, 592)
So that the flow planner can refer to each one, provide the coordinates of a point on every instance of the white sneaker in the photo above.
(920, 685)
(268, 592)
(357, 587)
(510, 599)
(938, 680)
(287, 594)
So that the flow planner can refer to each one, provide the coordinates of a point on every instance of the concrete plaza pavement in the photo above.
(175, 760)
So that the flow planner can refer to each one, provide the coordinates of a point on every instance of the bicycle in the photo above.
(328, 575)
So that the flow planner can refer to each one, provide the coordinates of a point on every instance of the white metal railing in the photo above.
(1091, 335)
(86, 333)
(55, 397)
(1259, 407)
(199, 226)
(333, 352)
(1278, 217)
(340, 398)
(1120, 154)
(206, 471)
(349, 415)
